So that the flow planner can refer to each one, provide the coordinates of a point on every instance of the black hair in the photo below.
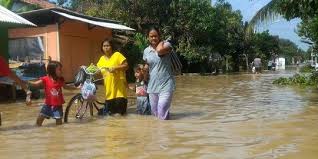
(153, 28)
(51, 69)
(137, 68)
(110, 43)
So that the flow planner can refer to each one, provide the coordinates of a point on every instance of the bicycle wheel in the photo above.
(76, 109)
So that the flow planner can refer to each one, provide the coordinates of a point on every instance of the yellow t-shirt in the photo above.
(115, 83)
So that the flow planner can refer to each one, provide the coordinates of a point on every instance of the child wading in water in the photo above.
(52, 83)
(143, 105)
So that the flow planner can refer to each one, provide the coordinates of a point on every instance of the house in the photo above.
(8, 20)
(69, 37)
(15, 20)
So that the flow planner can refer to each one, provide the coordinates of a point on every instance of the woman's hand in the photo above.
(111, 69)
(163, 48)
(160, 46)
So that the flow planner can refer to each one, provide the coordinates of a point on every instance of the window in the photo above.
(31, 47)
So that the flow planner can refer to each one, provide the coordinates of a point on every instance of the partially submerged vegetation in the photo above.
(307, 77)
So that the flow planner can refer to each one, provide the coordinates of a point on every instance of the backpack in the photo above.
(175, 63)
(80, 77)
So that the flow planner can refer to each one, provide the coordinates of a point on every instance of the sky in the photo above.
(282, 28)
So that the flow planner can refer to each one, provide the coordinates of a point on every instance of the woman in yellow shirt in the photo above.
(113, 66)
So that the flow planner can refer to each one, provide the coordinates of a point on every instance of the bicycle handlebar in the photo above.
(98, 70)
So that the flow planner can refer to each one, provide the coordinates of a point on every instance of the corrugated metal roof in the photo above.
(7, 16)
(97, 23)
(39, 13)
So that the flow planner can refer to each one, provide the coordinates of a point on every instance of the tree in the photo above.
(198, 30)
(138, 14)
(265, 45)
(309, 29)
(290, 51)
(306, 10)
(10, 3)
(7, 3)
(267, 13)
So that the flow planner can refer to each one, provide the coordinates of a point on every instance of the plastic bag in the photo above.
(88, 90)
(80, 77)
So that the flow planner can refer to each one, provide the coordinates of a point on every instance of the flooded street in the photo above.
(241, 116)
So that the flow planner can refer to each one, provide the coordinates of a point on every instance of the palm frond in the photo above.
(269, 13)
(7, 3)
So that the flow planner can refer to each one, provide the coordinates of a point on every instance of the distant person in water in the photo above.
(258, 65)
(269, 65)
(273, 65)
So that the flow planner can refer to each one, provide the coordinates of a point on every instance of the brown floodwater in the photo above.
(241, 116)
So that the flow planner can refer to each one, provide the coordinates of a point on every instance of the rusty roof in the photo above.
(40, 3)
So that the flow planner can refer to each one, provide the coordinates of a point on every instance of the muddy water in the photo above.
(220, 117)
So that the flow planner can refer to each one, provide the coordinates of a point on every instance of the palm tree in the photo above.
(268, 13)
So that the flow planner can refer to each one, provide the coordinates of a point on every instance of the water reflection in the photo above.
(226, 116)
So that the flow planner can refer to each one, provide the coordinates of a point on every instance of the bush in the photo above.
(299, 79)
(282, 81)
(307, 69)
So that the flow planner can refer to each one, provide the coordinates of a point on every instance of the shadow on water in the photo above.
(173, 115)
(18, 127)
(184, 115)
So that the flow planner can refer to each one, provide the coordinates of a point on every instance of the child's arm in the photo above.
(145, 71)
(37, 83)
(132, 86)
(70, 87)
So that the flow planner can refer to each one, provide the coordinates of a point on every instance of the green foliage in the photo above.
(198, 29)
(134, 52)
(267, 13)
(282, 81)
(140, 41)
(306, 10)
(303, 9)
(289, 50)
(307, 69)
(7, 3)
(299, 79)
(266, 44)
(308, 29)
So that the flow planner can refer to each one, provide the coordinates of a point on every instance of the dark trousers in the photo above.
(113, 106)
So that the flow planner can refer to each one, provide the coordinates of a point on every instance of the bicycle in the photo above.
(77, 107)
